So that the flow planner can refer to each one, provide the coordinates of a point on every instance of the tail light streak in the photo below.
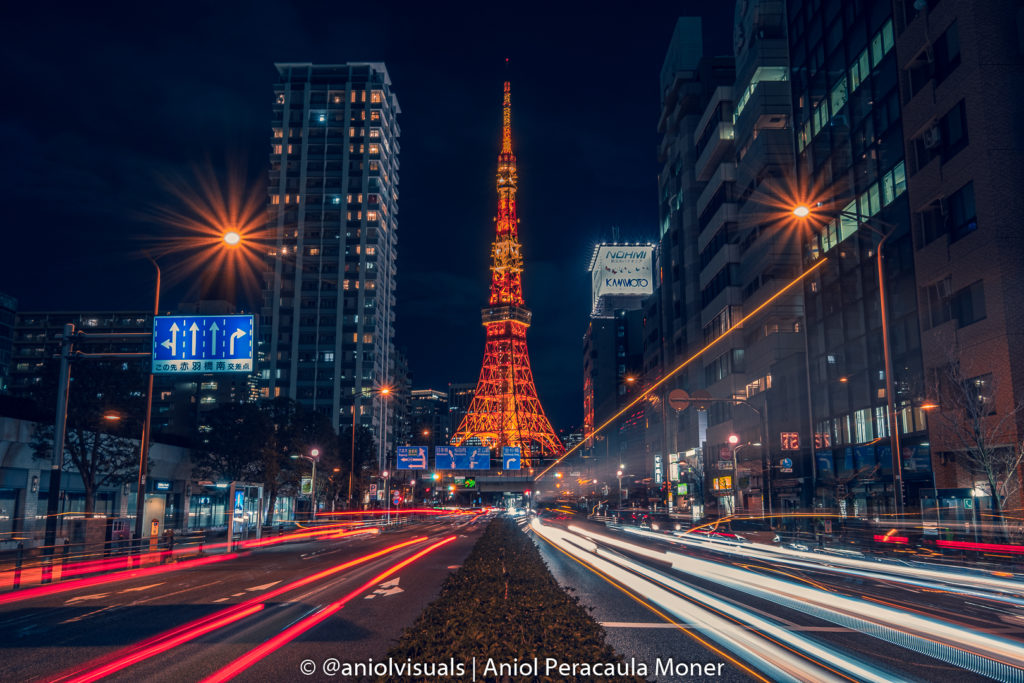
(155, 645)
(935, 637)
(295, 630)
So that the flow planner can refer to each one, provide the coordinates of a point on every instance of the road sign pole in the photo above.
(57, 460)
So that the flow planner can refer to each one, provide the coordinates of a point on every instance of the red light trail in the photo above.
(253, 656)
(167, 640)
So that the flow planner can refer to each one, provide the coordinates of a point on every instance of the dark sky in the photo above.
(104, 103)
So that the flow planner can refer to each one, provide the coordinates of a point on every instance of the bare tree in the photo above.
(983, 438)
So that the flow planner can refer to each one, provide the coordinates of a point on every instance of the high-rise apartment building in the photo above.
(850, 155)
(696, 97)
(8, 308)
(328, 320)
(961, 64)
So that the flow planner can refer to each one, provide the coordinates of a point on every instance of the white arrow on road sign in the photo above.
(386, 588)
(237, 334)
(193, 330)
(213, 333)
(510, 461)
(172, 344)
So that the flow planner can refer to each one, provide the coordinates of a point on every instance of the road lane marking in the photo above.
(221, 599)
(141, 588)
(80, 598)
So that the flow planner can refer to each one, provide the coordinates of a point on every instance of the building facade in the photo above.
(960, 65)
(328, 335)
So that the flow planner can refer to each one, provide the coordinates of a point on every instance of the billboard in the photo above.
(202, 343)
(621, 269)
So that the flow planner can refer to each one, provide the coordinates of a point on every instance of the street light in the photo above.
(232, 238)
(804, 212)
(140, 498)
(618, 475)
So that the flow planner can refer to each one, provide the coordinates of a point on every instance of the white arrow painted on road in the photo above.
(386, 588)
(213, 333)
(237, 334)
(172, 344)
(264, 586)
(193, 330)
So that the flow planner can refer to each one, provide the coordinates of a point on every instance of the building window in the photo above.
(376, 96)
(939, 297)
(947, 53)
(980, 389)
(954, 131)
(968, 304)
(961, 213)
(208, 386)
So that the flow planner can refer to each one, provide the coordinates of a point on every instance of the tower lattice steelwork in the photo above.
(505, 410)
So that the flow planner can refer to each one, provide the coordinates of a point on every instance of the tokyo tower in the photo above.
(505, 410)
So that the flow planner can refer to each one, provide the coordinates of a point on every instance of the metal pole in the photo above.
(57, 459)
(890, 399)
(140, 499)
(312, 492)
(352, 469)
(230, 509)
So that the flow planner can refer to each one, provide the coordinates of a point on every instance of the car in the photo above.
(660, 521)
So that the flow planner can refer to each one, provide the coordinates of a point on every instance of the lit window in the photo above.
(278, 133)
(375, 115)
(322, 118)
(374, 132)
(374, 149)
(280, 98)
(375, 96)
(371, 216)
(277, 149)
(275, 199)
(368, 338)
(370, 251)
(313, 251)
(335, 200)
(208, 400)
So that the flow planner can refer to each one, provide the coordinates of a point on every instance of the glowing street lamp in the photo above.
(232, 238)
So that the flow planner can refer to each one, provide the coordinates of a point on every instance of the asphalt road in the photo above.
(642, 625)
(70, 633)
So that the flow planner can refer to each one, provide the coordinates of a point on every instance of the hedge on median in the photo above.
(503, 605)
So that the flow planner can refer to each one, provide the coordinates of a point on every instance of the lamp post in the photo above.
(140, 498)
(387, 499)
(618, 475)
(805, 212)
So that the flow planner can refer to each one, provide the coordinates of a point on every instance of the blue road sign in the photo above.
(412, 457)
(444, 459)
(202, 343)
(478, 457)
(511, 458)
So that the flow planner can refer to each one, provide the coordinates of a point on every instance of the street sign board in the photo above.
(511, 457)
(968, 503)
(786, 466)
(444, 458)
(202, 343)
(678, 399)
(478, 457)
(659, 472)
(306, 486)
(373, 489)
(462, 458)
(412, 458)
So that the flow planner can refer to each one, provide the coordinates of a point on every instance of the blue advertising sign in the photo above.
(412, 457)
(444, 459)
(478, 457)
(239, 502)
(202, 343)
(511, 458)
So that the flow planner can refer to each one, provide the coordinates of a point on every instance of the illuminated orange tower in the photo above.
(505, 410)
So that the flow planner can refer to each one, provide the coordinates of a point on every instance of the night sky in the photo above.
(107, 109)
